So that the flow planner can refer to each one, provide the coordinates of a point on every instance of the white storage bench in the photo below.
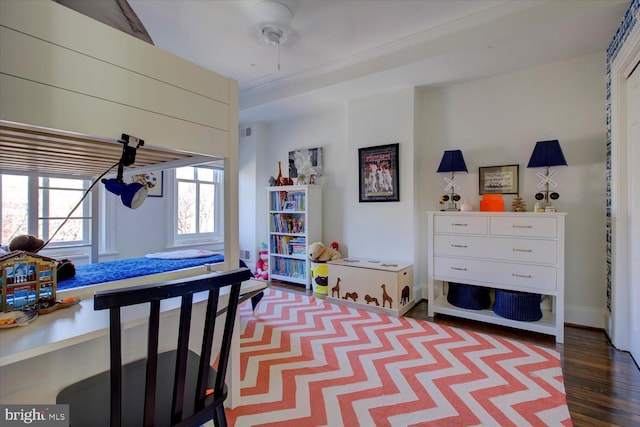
(383, 287)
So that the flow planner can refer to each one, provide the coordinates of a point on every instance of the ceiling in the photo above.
(338, 50)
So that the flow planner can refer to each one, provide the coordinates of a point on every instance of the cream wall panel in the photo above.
(29, 102)
(62, 26)
(70, 70)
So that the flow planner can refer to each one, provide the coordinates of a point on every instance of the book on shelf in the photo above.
(290, 268)
(288, 245)
(283, 200)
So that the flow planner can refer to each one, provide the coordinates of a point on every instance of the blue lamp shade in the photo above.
(452, 161)
(547, 153)
(132, 195)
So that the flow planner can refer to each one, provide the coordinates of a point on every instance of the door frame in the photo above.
(618, 322)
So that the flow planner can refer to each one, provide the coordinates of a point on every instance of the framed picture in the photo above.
(289, 205)
(153, 181)
(499, 179)
(378, 171)
(305, 162)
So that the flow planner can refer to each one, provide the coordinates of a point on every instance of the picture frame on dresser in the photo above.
(498, 179)
(378, 172)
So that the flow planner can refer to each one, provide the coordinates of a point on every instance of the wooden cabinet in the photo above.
(295, 221)
(500, 250)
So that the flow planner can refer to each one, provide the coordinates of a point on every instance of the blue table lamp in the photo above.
(452, 161)
(546, 154)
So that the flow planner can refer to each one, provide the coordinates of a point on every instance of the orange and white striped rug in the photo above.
(306, 362)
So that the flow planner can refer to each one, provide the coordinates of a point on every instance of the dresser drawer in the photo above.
(460, 224)
(529, 278)
(496, 248)
(524, 226)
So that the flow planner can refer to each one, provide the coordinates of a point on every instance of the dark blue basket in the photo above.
(468, 296)
(515, 305)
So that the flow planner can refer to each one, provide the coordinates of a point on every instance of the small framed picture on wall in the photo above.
(499, 179)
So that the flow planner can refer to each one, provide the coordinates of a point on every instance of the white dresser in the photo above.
(521, 251)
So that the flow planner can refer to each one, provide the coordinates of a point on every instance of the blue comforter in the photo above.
(101, 272)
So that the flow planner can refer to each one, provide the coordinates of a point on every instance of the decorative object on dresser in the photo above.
(379, 173)
(492, 203)
(506, 251)
(452, 161)
(383, 287)
(546, 154)
(294, 221)
(518, 205)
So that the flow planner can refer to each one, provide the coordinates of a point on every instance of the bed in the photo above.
(101, 272)
(70, 87)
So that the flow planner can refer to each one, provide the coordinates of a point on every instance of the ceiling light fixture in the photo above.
(273, 20)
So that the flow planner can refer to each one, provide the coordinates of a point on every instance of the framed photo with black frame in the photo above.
(499, 179)
(379, 172)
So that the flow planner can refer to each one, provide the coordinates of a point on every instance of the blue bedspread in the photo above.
(91, 274)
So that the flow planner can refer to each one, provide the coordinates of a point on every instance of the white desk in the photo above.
(57, 349)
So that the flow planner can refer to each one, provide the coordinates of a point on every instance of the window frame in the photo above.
(34, 209)
(181, 240)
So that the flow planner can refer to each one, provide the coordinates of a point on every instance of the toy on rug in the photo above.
(319, 252)
(262, 266)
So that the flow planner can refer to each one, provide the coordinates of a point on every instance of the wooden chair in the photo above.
(174, 388)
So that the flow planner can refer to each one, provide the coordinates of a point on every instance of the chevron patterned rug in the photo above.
(306, 362)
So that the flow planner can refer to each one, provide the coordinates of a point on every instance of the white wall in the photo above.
(494, 121)
(381, 230)
(329, 132)
(251, 189)
(497, 120)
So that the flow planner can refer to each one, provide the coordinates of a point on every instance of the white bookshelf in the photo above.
(294, 221)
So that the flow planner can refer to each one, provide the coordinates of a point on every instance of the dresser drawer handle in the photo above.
(458, 246)
(524, 276)
(456, 224)
(459, 268)
(521, 250)
(522, 226)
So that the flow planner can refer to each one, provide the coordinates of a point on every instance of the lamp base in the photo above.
(450, 206)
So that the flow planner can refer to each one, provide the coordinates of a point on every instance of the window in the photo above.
(198, 207)
(38, 205)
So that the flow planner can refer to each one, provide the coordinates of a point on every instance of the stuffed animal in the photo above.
(262, 266)
(30, 243)
(27, 243)
(320, 252)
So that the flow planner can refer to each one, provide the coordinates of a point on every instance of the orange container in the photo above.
(492, 203)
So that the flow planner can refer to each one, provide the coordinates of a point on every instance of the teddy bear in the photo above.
(262, 266)
(30, 243)
(319, 252)
(26, 242)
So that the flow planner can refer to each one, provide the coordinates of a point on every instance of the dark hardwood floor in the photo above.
(602, 383)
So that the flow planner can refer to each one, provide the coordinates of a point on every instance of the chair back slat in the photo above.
(115, 299)
(226, 340)
(115, 338)
(205, 351)
(152, 365)
(181, 358)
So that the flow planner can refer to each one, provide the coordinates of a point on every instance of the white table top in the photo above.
(80, 323)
